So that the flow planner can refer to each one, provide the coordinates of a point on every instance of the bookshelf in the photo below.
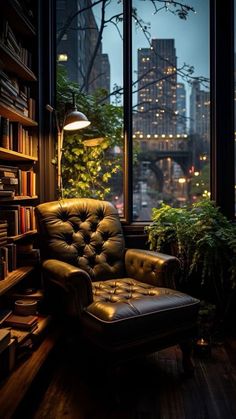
(14, 278)
(21, 378)
(11, 61)
(19, 135)
(21, 121)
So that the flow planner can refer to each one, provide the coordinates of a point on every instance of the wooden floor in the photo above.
(150, 388)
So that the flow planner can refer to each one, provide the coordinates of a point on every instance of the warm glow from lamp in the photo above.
(93, 142)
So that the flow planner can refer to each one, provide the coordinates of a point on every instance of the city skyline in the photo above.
(191, 39)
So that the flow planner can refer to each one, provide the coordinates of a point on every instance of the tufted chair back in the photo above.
(84, 232)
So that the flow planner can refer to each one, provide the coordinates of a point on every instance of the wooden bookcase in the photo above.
(21, 112)
(19, 135)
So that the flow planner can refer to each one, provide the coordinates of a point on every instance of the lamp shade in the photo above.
(75, 120)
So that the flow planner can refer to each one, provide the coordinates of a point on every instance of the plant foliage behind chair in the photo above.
(205, 242)
(89, 171)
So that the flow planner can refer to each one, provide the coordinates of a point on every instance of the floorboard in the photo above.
(149, 388)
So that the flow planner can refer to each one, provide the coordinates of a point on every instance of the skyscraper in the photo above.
(200, 114)
(77, 47)
(181, 109)
(157, 84)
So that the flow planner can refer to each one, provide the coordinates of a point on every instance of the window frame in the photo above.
(222, 153)
(222, 105)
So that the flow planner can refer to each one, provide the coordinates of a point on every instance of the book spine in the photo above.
(5, 133)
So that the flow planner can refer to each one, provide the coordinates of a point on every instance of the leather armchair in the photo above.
(124, 300)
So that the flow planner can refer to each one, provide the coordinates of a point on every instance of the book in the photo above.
(4, 255)
(44, 324)
(10, 171)
(5, 133)
(7, 194)
(8, 180)
(5, 337)
(20, 335)
(3, 241)
(24, 247)
(12, 217)
(28, 323)
(8, 358)
(3, 233)
(3, 225)
(11, 256)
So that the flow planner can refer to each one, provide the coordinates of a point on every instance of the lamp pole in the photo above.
(60, 135)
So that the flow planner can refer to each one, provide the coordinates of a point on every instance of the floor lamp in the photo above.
(73, 120)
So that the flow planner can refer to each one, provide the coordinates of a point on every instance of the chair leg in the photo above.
(187, 360)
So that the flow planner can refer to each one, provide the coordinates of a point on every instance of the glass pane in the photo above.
(90, 66)
(171, 104)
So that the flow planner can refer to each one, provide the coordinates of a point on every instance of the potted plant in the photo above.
(204, 240)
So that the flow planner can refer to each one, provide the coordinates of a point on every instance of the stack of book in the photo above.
(7, 352)
(17, 182)
(9, 39)
(7, 252)
(8, 260)
(3, 232)
(13, 136)
(13, 95)
(20, 218)
(9, 181)
(28, 323)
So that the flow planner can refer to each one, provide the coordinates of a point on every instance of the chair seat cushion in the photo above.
(125, 309)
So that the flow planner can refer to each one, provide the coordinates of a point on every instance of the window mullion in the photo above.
(128, 166)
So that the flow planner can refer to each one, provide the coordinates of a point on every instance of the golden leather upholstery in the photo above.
(122, 298)
(83, 232)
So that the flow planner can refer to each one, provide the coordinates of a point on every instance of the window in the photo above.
(171, 105)
(142, 73)
(93, 158)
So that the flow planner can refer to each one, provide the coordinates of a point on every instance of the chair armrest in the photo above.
(74, 282)
(151, 267)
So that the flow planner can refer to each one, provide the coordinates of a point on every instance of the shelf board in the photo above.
(18, 198)
(24, 198)
(11, 62)
(11, 239)
(14, 115)
(6, 154)
(14, 277)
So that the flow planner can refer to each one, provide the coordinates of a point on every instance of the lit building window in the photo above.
(62, 57)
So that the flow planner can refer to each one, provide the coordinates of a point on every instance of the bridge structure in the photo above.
(178, 148)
